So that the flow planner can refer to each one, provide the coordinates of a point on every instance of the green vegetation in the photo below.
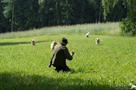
(94, 29)
(21, 15)
(128, 24)
(107, 66)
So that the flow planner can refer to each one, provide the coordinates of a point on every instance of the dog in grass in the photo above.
(33, 42)
(87, 35)
(132, 86)
(53, 44)
(98, 40)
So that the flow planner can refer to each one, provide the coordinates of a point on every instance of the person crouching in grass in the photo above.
(60, 54)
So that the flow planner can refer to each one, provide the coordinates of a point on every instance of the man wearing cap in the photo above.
(60, 54)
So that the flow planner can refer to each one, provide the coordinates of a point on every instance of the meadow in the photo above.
(107, 66)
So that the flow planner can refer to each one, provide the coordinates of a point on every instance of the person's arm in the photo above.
(67, 54)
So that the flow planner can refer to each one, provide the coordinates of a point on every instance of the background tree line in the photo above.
(128, 24)
(20, 15)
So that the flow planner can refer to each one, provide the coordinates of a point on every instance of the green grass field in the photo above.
(107, 66)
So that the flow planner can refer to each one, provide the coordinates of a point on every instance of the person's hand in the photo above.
(72, 53)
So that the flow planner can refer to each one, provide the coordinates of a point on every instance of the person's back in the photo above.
(61, 53)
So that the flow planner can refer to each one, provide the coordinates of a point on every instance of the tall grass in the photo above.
(107, 66)
(94, 29)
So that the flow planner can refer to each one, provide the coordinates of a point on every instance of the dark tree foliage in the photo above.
(128, 25)
(26, 14)
(20, 15)
(117, 13)
(4, 23)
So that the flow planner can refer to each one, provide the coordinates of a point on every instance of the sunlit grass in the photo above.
(107, 66)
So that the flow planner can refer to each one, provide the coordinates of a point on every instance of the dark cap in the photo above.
(64, 41)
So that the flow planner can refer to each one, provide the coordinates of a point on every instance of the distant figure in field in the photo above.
(87, 35)
(60, 54)
(33, 42)
(53, 44)
(98, 40)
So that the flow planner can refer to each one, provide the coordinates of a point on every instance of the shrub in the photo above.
(128, 26)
